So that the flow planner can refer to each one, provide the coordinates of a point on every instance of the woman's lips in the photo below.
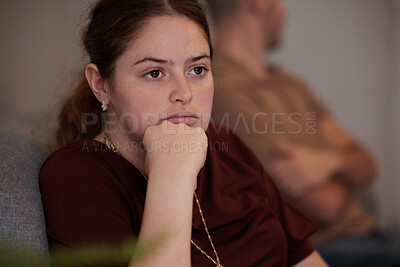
(187, 118)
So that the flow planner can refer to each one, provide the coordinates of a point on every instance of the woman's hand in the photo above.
(174, 149)
(174, 155)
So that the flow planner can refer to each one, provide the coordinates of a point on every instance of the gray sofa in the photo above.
(21, 213)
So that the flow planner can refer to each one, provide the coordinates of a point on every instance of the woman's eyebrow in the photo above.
(157, 60)
(194, 59)
(163, 61)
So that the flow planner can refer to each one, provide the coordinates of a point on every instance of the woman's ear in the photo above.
(97, 83)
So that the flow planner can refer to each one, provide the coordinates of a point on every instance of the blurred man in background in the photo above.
(314, 162)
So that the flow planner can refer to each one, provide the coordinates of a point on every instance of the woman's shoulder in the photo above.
(225, 144)
(89, 168)
(82, 152)
(83, 159)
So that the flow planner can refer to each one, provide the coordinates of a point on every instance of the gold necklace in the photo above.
(217, 263)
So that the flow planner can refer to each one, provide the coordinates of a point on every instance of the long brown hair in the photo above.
(113, 24)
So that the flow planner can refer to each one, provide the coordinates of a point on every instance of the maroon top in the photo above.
(91, 194)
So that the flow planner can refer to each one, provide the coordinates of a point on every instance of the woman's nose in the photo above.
(181, 91)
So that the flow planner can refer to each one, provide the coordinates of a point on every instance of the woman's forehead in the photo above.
(171, 36)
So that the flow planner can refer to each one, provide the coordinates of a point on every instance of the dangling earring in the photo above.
(103, 105)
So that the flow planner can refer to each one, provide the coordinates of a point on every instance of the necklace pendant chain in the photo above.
(110, 145)
(217, 263)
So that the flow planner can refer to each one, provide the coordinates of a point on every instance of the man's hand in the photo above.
(298, 168)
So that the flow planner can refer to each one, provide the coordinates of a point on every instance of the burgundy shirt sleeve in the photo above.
(83, 201)
(297, 226)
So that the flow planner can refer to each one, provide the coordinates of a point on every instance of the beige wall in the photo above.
(38, 50)
(344, 48)
(394, 162)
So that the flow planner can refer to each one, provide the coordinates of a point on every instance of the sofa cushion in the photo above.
(21, 213)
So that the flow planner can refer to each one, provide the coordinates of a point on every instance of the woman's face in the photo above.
(164, 74)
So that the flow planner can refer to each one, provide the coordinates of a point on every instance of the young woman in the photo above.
(144, 167)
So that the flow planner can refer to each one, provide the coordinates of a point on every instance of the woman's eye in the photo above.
(197, 71)
(154, 74)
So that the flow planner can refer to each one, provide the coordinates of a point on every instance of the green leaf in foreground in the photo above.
(93, 254)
